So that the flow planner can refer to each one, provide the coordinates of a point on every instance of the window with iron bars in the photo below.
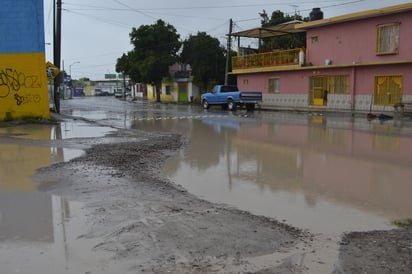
(388, 90)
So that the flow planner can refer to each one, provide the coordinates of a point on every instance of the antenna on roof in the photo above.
(296, 11)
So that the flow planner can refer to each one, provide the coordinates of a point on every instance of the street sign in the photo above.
(52, 71)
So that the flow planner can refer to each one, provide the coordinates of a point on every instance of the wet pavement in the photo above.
(326, 173)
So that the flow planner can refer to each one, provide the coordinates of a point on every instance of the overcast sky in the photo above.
(96, 32)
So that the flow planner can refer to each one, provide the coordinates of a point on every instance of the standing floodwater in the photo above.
(328, 173)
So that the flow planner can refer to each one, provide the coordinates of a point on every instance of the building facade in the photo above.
(178, 87)
(23, 76)
(356, 62)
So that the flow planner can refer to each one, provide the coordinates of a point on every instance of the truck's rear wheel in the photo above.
(205, 104)
(250, 107)
(231, 105)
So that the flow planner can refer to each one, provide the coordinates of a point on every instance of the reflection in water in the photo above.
(26, 148)
(38, 232)
(28, 219)
(316, 176)
(42, 236)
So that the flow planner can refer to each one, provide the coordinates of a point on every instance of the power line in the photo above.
(130, 8)
(133, 9)
(105, 20)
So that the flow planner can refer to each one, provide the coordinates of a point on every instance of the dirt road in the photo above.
(151, 225)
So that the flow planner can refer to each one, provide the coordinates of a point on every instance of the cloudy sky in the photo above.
(96, 32)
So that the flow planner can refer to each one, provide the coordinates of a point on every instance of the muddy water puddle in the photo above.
(39, 234)
(38, 231)
(325, 175)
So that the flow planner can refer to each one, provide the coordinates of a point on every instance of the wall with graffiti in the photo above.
(23, 77)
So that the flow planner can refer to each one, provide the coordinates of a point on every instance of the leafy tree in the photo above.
(128, 66)
(155, 49)
(122, 64)
(206, 57)
(294, 40)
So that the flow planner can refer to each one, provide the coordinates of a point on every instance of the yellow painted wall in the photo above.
(167, 98)
(88, 90)
(151, 94)
(23, 86)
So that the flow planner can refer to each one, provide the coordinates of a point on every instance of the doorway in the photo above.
(318, 91)
(322, 86)
(182, 88)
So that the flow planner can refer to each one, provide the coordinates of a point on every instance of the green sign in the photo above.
(110, 76)
(121, 75)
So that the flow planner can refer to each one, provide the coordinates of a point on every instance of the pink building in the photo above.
(350, 62)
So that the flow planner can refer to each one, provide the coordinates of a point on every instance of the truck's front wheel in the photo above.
(231, 105)
(205, 104)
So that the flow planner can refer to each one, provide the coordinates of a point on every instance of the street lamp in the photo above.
(70, 67)
(70, 71)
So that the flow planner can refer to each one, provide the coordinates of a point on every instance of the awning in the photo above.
(265, 32)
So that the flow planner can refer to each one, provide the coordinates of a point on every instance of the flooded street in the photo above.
(326, 173)
(317, 173)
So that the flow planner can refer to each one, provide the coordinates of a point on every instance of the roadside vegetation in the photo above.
(404, 223)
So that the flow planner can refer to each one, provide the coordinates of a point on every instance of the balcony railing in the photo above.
(267, 59)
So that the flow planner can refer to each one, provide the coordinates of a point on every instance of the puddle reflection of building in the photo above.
(26, 214)
(363, 169)
(28, 148)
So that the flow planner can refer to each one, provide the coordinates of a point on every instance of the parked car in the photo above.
(99, 92)
(229, 96)
(118, 93)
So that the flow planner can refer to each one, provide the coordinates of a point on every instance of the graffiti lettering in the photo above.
(27, 99)
(12, 80)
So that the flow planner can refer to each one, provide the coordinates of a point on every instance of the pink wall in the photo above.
(361, 79)
(355, 41)
(291, 82)
(366, 76)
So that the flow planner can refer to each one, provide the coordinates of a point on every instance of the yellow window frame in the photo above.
(388, 90)
(273, 85)
(387, 39)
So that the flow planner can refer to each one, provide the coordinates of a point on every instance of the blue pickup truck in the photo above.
(229, 96)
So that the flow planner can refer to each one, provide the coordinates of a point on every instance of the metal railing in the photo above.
(267, 59)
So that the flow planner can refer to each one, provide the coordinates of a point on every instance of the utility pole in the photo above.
(57, 26)
(124, 84)
(228, 54)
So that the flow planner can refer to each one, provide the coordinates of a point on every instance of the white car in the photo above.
(118, 93)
